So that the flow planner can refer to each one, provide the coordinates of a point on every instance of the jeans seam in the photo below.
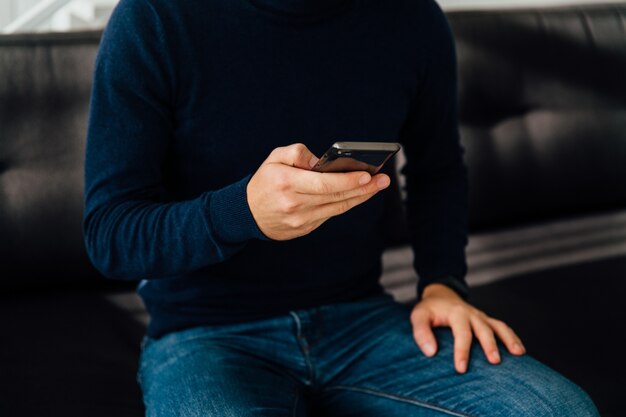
(400, 398)
(299, 336)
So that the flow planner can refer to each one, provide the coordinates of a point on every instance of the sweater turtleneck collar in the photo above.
(302, 7)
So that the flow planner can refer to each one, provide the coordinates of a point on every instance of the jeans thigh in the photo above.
(205, 376)
(391, 377)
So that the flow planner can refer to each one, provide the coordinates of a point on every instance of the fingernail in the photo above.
(495, 355)
(313, 161)
(383, 182)
(519, 348)
(462, 366)
(428, 349)
(364, 179)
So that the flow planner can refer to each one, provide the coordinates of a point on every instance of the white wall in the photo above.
(54, 15)
(11, 9)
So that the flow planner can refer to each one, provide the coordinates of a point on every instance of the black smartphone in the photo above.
(356, 156)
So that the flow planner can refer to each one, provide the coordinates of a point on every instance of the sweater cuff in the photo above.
(230, 214)
(457, 285)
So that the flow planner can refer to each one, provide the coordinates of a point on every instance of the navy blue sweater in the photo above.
(190, 96)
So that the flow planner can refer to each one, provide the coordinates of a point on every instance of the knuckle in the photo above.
(462, 333)
(370, 188)
(461, 356)
(295, 222)
(500, 324)
(338, 196)
(485, 334)
(420, 313)
(289, 205)
(458, 309)
(342, 207)
(290, 152)
(278, 152)
(482, 316)
(298, 150)
(283, 182)
(486, 337)
(323, 187)
(461, 353)
(416, 313)
(299, 147)
(479, 322)
(364, 191)
(464, 336)
(491, 344)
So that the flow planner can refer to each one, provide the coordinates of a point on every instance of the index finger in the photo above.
(318, 183)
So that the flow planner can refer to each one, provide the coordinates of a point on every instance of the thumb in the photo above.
(296, 155)
(423, 333)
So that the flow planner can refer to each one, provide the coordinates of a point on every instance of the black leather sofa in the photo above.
(543, 120)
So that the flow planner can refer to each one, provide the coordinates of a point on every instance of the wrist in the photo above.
(439, 290)
(459, 287)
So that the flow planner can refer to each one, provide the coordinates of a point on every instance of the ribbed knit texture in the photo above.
(190, 97)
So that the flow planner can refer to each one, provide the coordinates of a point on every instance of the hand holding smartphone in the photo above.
(356, 156)
(288, 200)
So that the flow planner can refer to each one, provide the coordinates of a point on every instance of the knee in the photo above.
(563, 398)
(547, 393)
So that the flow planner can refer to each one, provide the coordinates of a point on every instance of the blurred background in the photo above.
(20, 16)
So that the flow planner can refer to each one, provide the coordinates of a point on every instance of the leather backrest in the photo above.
(45, 83)
(542, 111)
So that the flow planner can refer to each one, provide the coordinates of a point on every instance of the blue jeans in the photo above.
(351, 359)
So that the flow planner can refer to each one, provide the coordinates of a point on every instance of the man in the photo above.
(261, 276)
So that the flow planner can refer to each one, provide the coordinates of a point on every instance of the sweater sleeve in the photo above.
(132, 230)
(436, 176)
